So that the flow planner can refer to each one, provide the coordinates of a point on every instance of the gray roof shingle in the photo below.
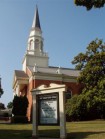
(21, 74)
(53, 70)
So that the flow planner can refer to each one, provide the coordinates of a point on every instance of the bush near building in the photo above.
(20, 104)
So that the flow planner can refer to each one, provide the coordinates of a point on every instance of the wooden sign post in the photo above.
(49, 108)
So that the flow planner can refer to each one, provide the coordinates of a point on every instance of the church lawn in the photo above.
(75, 130)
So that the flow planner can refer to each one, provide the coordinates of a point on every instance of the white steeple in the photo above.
(35, 41)
(36, 21)
(35, 53)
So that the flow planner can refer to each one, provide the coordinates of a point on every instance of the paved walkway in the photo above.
(48, 138)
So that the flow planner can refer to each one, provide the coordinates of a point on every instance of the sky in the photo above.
(67, 31)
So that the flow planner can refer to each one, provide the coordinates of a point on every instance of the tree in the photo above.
(92, 66)
(2, 106)
(92, 75)
(76, 108)
(89, 4)
(20, 104)
(10, 105)
(1, 90)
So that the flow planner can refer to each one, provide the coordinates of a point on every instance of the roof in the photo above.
(21, 74)
(36, 21)
(57, 70)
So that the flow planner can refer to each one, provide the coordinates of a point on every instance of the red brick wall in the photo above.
(74, 87)
(46, 82)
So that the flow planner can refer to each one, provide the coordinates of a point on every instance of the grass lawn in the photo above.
(75, 130)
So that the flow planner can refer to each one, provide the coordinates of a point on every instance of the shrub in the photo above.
(85, 107)
(76, 108)
(20, 105)
(19, 119)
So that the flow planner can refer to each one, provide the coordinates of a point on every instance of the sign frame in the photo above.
(48, 97)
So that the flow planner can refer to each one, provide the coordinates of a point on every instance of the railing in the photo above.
(32, 52)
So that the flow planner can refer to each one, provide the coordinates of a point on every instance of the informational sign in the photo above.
(48, 109)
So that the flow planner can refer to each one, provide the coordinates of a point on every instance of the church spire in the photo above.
(35, 52)
(36, 21)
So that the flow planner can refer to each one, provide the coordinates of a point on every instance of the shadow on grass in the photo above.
(15, 134)
(82, 135)
(55, 133)
(27, 134)
(51, 133)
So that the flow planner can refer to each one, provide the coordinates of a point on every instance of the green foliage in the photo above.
(90, 3)
(10, 105)
(92, 66)
(2, 106)
(20, 105)
(85, 107)
(19, 119)
(1, 91)
(76, 108)
(91, 103)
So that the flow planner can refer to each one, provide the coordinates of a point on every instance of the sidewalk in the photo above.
(47, 138)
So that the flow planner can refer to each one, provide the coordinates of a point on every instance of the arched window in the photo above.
(31, 44)
(36, 43)
(41, 47)
(68, 94)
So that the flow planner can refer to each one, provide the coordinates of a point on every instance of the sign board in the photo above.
(48, 110)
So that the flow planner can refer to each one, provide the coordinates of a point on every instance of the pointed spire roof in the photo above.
(36, 21)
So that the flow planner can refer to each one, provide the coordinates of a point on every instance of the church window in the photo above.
(31, 44)
(36, 43)
(41, 47)
(68, 94)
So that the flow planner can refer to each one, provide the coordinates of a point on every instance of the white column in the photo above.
(62, 115)
(34, 118)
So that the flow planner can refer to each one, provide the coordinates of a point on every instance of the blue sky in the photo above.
(67, 30)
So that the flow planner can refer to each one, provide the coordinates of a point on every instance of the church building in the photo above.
(36, 70)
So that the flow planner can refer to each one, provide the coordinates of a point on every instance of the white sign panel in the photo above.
(48, 109)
